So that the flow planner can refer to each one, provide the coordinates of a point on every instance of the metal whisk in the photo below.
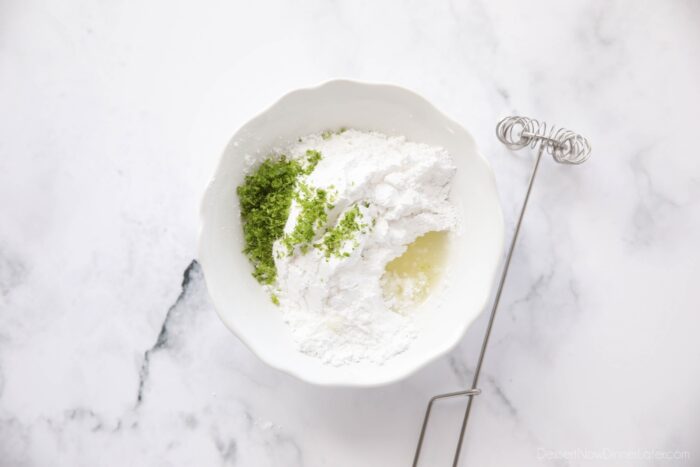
(566, 147)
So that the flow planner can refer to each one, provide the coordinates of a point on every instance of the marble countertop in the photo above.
(112, 117)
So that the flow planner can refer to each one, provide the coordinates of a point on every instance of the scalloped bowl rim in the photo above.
(489, 269)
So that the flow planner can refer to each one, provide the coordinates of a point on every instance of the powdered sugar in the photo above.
(334, 304)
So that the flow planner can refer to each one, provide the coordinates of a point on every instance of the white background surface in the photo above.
(111, 118)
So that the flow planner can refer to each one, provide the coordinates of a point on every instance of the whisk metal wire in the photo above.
(565, 147)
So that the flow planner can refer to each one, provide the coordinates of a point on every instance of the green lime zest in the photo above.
(332, 242)
(312, 159)
(314, 205)
(265, 197)
(327, 134)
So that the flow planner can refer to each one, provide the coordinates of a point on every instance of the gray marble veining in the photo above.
(111, 121)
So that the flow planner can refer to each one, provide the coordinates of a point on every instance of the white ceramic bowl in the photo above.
(475, 251)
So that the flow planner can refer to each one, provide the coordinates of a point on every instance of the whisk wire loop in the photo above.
(565, 147)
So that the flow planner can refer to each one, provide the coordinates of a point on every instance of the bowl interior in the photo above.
(475, 248)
